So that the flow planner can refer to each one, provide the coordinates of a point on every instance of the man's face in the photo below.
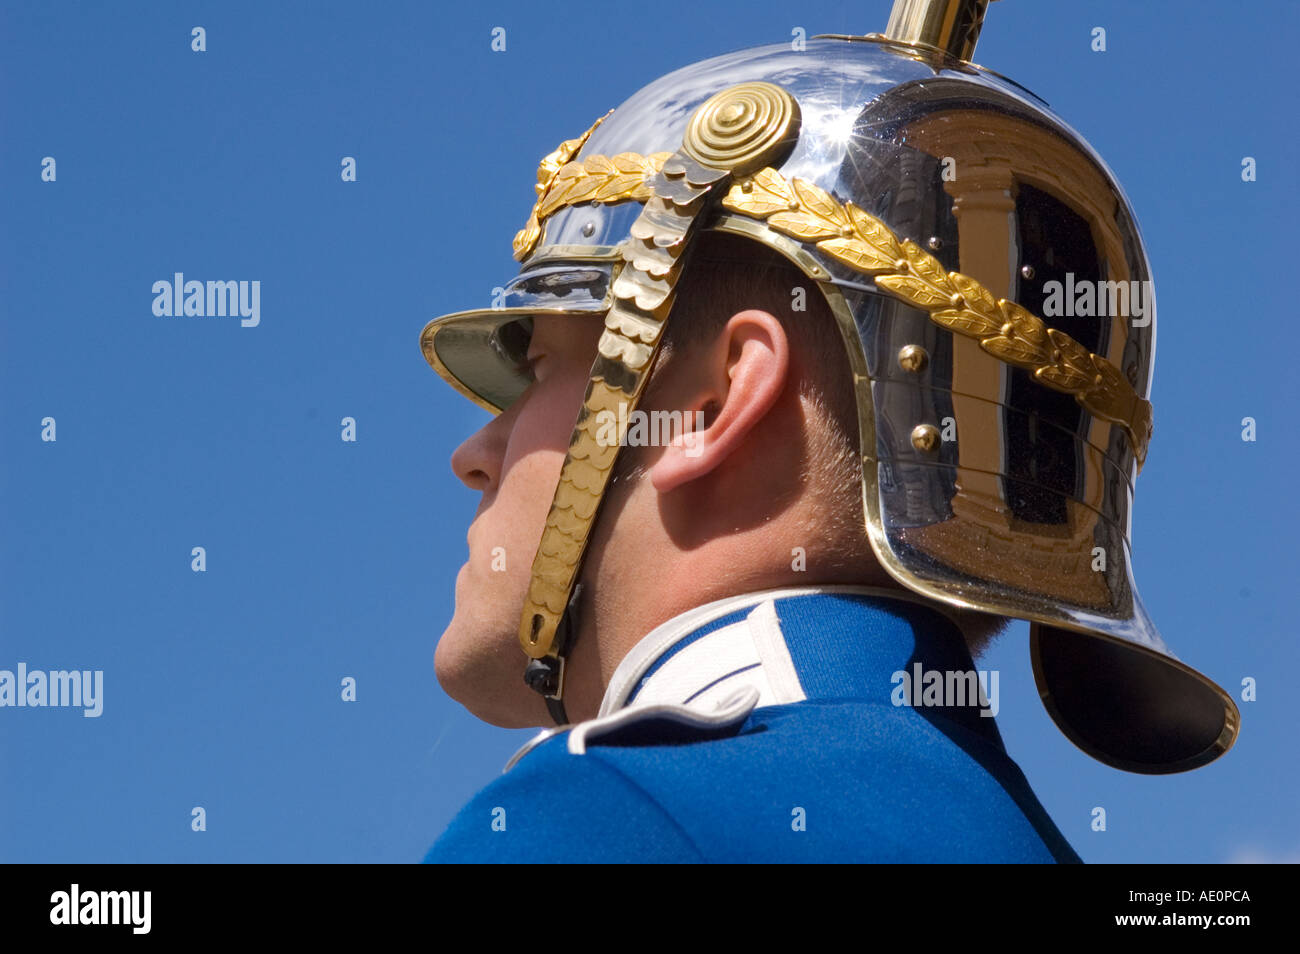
(514, 461)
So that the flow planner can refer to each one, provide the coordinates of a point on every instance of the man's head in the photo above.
(1006, 430)
(765, 490)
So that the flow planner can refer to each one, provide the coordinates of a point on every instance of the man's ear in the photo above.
(742, 374)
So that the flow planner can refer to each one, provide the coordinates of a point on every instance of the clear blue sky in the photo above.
(327, 559)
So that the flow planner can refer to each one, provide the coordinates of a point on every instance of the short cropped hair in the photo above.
(726, 274)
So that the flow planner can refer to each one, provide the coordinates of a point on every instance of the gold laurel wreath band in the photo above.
(954, 301)
(547, 169)
(605, 179)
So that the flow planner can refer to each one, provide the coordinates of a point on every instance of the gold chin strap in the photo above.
(734, 132)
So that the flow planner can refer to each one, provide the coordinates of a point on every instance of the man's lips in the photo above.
(473, 524)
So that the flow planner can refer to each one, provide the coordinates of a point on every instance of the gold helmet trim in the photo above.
(954, 301)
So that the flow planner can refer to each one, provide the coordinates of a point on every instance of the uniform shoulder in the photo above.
(556, 802)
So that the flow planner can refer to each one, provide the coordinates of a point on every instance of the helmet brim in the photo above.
(1130, 707)
(479, 351)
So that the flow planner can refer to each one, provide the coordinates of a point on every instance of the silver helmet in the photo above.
(993, 294)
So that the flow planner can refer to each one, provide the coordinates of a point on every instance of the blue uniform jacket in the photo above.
(787, 726)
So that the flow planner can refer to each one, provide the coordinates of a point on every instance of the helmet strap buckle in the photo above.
(546, 675)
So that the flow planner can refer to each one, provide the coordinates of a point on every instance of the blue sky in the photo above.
(328, 559)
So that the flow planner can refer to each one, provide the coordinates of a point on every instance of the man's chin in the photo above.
(492, 691)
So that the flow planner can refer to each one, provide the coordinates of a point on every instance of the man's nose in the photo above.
(477, 462)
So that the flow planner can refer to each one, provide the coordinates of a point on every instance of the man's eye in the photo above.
(527, 366)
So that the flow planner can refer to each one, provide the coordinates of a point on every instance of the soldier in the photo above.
(751, 632)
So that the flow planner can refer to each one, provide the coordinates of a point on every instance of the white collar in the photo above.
(712, 680)
(749, 652)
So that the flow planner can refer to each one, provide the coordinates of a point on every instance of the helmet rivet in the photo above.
(935, 243)
(1027, 271)
(925, 437)
(747, 186)
(913, 358)
(589, 229)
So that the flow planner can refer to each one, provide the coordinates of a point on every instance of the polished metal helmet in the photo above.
(992, 290)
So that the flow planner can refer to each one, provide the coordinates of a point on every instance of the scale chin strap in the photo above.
(742, 128)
